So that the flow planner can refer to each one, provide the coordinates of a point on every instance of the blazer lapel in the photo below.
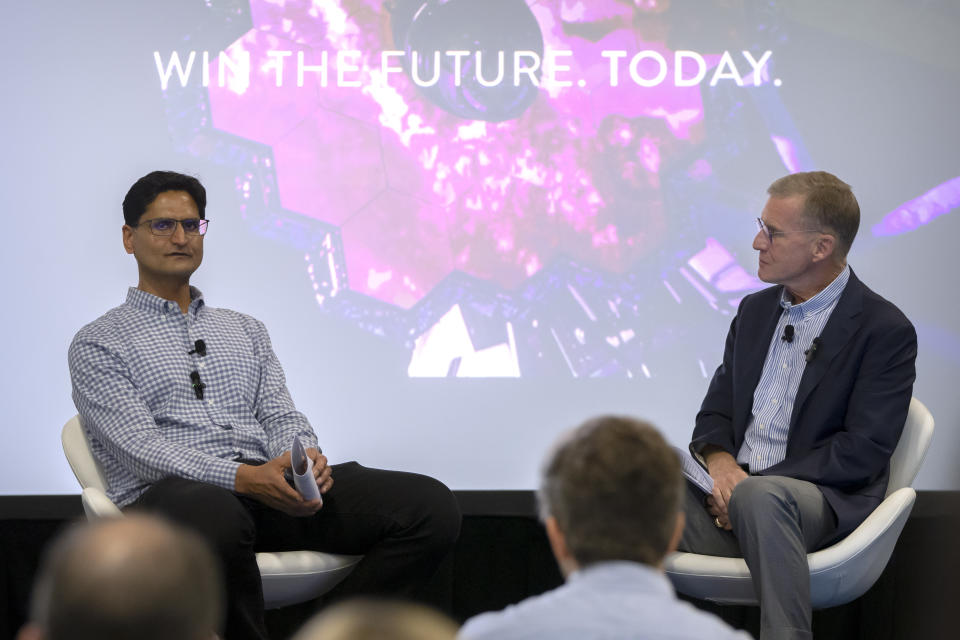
(843, 323)
(755, 356)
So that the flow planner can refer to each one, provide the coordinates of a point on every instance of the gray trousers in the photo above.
(776, 521)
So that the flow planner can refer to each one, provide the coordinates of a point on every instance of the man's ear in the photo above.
(558, 544)
(824, 247)
(127, 231)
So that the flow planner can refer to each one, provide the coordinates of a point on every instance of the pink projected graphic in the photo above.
(502, 186)
(921, 210)
(419, 192)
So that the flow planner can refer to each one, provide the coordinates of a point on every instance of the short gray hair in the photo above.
(828, 203)
(614, 487)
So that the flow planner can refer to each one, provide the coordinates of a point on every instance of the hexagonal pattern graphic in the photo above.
(350, 168)
(259, 109)
(419, 192)
(396, 248)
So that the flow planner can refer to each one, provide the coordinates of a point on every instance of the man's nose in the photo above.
(760, 241)
(179, 235)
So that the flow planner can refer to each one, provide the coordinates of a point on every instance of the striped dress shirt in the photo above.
(765, 441)
(131, 371)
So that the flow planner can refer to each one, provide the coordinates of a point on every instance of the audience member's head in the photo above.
(611, 490)
(132, 578)
(829, 204)
(378, 620)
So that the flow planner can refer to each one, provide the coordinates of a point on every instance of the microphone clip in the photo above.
(787, 333)
(197, 385)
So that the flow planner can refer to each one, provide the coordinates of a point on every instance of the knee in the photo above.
(438, 512)
(756, 496)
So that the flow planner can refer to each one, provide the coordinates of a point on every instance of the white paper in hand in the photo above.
(693, 472)
(302, 465)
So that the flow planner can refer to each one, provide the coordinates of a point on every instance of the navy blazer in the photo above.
(850, 406)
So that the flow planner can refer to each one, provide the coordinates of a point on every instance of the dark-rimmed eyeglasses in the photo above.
(770, 235)
(168, 226)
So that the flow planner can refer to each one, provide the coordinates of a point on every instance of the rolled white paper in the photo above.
(302, 465)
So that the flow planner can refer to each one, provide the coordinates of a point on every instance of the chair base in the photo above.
(291, 577)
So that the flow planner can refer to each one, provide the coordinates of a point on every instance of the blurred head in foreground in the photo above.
(378, 620)
(610, 491)
(136, 578)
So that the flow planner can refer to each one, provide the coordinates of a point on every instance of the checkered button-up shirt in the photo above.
(131, 369)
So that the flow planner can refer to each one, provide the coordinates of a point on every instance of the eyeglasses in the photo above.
(770, 235)
(168, 226)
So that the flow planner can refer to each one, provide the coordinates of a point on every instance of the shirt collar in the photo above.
(618, 572)
(139, 299)
(820, 301)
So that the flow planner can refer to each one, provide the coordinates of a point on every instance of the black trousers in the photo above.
(403, 523)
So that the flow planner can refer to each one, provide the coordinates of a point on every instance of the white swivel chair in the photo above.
(288, 577)
(841, 572)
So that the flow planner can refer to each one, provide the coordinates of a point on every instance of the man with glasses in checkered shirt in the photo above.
(802, 416)
(186, 409)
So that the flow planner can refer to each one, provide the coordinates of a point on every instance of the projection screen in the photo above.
(471, 224)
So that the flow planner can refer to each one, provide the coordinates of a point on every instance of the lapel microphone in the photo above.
(787, 333)
(199, 348)
(196, 384)
(811, 353)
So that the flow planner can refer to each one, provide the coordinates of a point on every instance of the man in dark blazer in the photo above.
(801, 418)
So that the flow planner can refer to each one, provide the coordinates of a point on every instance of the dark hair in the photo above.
(145, 190)
(131, 578)
(828, 203)
(614, 487)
